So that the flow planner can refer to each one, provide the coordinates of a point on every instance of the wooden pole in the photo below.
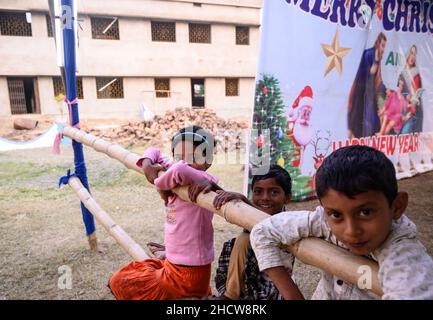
(313, 251)
(124, 240)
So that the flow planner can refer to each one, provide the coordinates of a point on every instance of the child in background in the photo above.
(362, 211)
(188, 228)
(238, 276)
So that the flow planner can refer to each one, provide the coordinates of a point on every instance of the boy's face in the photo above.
(269, 196)
(364, 222)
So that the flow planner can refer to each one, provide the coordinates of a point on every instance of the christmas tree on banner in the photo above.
(269, 139)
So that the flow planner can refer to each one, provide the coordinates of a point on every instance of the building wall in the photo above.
(138, 59)
(29, 56)
(141, 90)
(136, 92)
(5, 109)
(225, 11)
(50, 106)
(135, 54)
(240, 106)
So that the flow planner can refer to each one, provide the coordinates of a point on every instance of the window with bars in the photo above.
(162, 87)
(17, 96)
(109, 88)
(232, 87)
(60, 89)
(243, 35)
(49, 26)
(15, 24)
(105, 28)
(163, 31)
(199, 33)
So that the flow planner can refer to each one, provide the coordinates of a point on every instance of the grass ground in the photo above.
(41, 226)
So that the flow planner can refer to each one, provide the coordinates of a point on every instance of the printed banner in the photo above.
(334, 73)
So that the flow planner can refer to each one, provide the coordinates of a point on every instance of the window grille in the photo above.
(105, 28)
(59, 88)
(162, 87)
(49, 26)
(109, 88)
(199, 33)
(17, 96)
(15, 24)
(232, 87)
(163, 31)
(243, 35)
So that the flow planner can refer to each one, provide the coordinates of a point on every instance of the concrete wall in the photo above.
(225, 11)
(138, 59)
(135, 54)
(141, 90)
(5, 108)
(230, 107)
(50, 106)
(29, 56)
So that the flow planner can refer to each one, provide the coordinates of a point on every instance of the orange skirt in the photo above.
(155, 279)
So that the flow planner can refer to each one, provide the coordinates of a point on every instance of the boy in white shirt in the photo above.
(362, 211)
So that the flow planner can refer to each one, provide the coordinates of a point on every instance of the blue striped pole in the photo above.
(67, 11)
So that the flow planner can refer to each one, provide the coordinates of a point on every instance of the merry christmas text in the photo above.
(398, 15)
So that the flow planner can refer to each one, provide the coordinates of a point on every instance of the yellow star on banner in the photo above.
(335, 54)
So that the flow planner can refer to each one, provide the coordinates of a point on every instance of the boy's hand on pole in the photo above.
(151, 170)
(165, 194)
(196, 188)
(224, 196)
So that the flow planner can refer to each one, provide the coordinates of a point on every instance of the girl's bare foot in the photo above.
(158, 250)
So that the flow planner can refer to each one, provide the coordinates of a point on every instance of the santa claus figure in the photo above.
(298, 125)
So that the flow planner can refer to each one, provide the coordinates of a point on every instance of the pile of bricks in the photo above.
(229, 134)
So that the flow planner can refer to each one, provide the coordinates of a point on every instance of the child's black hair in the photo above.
(197, 135)
(281, 176)
(357, 169)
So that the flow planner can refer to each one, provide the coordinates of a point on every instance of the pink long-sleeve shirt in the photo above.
(188, 228)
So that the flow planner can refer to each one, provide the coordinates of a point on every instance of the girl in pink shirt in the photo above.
(393, 109)
(188, 233)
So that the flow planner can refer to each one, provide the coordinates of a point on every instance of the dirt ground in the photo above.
(41, 226)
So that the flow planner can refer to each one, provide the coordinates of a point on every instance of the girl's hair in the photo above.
(197, 136)
(400, 78)
(381, 36)
(409, 52)
(280, 175)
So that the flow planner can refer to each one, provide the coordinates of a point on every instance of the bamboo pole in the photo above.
(124, 240)
(313, 251)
